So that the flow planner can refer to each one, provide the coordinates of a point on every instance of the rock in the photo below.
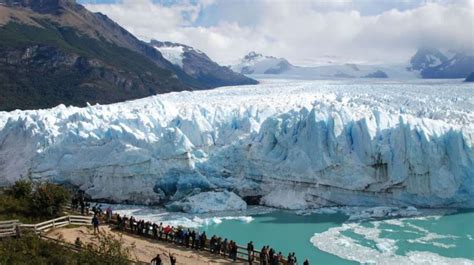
(432, 63)
(377, 74)
(470, 78)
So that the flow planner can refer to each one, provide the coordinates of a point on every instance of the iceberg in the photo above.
(327, 143)
(211, 201)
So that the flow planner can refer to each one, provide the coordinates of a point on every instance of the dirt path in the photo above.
(145, 249)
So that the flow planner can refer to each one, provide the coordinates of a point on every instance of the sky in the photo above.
(304, 32)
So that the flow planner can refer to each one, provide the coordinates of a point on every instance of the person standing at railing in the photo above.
(250, 249)
(131, 221)
(119, 221)
(271, 255)
(294, 257)
(95, 223)
(108, 214)
(147, 228)
(125, 220)
(74, 203)
(192, 236)
(202, 240)
(88, 205)
(154, 230)
(187, 238)
(82, 203)
(263, 260)
(291, 260)
(160, 230)
(251, 259)
(224, 247)
(233, 250)
(278, 258)
(212, 241)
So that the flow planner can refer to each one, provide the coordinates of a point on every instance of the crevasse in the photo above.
(292, 144)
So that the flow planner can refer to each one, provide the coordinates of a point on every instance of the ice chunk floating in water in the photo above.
(371, 243)
(210, 201)
(325, 142)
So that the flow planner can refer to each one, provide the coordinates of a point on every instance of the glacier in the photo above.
(174, 54)
(292, 144)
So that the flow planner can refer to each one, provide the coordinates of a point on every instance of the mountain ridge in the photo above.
(198, 65)
(57, 52)
(427, 62)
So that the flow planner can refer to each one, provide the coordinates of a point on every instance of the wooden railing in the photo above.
(59, 222)
(242, 252)
(8, 228)
(11, 228)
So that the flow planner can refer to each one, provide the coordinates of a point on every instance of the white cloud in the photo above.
(301, 31)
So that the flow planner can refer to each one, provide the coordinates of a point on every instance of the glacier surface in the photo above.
(295, 144)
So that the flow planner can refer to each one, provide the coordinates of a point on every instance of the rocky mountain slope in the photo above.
(56, 51)
(198, 65)
(470, 78)
(432, 63)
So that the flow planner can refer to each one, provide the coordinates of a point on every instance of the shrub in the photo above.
(109, 250)
(30, 249)
(21, 189)
(49, 199)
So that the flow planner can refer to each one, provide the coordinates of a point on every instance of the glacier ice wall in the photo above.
(296, 144)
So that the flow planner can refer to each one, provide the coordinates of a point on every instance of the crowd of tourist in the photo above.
(190, 238)
(185, 237)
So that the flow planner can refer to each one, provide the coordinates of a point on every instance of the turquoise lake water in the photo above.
(427, 239)
(283, 231)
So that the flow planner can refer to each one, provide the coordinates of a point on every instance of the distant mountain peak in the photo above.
(427, 57)
(257, 63)
(251, 56)
(432, 63)
(169, 44)
(198, 65)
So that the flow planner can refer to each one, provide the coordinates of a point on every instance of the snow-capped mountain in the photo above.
(426, 63)
(257, 64)
(312, 143)
(432, 63)
(198, 65)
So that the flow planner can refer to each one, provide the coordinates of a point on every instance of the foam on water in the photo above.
(336, 242)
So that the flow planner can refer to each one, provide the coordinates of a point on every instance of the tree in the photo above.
(49, 200)
(21, 189)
